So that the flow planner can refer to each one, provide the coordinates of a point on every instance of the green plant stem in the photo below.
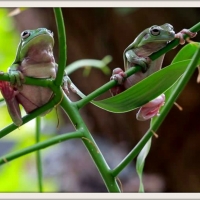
(134, 152)
(48, 106)
(28, 117)
(41, 145)
(177, 89)
(82, 102)
(83, 133)
(62, 46)
(38, 155)
(29, 80)
(155, 125)
(73, 113)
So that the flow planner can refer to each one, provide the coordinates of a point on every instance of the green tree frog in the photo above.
(34, 58)
(137, 53)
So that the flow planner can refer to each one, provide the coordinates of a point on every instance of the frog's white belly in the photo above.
(41, 70)
(32, 97)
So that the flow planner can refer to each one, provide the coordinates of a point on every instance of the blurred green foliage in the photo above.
(19, 175)
(9, 39)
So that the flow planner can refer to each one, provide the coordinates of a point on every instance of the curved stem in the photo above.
(29, 80)
(82, 102)
(101, 64)
(62, 46)
(87, 139)
(28, 117)
(38, 155)
(134, 152)
(40, 145)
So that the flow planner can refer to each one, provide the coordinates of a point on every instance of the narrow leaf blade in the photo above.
(141, 161)
(144, 91)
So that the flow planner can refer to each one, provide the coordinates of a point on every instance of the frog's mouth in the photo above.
(39, 41)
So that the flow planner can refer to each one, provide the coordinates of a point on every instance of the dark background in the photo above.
(173, 164)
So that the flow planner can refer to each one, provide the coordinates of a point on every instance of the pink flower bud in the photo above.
(151, 109)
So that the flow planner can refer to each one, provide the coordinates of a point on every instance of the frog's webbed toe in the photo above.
(181, 33)
(67, 85)
(142, 63)
(118, 75)
(134, 59)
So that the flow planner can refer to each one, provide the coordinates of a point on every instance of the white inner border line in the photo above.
(103, 3)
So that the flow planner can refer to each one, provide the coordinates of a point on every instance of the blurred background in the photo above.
(172, 165)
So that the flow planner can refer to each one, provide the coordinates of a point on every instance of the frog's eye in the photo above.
(155, 31)
(25, 34)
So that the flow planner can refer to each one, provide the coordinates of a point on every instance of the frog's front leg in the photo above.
(67, 85)
(124, 82)
(12, 104)
(181, 33)
(16, 76)
(133, 59)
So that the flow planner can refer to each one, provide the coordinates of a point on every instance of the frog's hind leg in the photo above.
(12, 104)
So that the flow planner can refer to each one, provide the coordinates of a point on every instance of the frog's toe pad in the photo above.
(184, 31)
(118, 75)
(144, 67)
(16, 78)
(7, 91)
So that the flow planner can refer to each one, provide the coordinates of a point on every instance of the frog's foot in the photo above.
(142, 62)
(151, 109)
(181, 33)
(118, 75)
(7, 91)
(67, 84)
(16, 78)
(13, 106)
(133, 60)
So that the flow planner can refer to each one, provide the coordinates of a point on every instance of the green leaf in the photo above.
(140, 162)
(144, 91)
(186, 52)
